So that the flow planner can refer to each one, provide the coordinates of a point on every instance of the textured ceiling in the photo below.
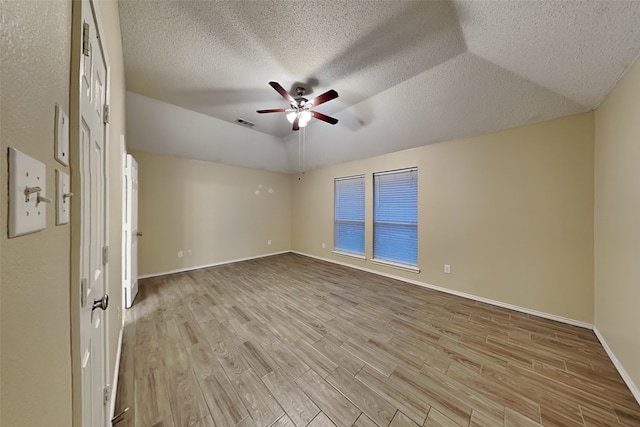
(461, 68)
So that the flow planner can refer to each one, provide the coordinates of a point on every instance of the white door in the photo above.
(131, 231)
(92, 158)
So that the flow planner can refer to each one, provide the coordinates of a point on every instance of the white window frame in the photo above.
(360, 214)
(378, 254)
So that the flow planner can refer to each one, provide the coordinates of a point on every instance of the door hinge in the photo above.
(106, 114)
(86, 46)
(107, 394)
(105, 254)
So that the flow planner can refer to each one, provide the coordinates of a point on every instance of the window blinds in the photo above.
(349, 215)
(395, 216)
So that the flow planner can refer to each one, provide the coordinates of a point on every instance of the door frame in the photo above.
(125, 273)
(75, 86)
(129, 234)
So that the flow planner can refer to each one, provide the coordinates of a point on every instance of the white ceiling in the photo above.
(408, 73)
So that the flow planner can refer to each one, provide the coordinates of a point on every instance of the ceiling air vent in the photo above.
(244, 122)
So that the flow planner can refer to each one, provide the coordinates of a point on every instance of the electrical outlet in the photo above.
(180, 254)
(447, 268)
(269, 242)
(323, 246)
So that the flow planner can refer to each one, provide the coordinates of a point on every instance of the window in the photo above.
(395, 216)
(349, 215)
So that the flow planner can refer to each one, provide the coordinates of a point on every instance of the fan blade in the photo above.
(324, 117)
(274, 110)
(321, 99)
(282, 92)
(295, 123)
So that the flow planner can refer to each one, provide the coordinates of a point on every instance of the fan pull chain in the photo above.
(301, 149)
(304, 148)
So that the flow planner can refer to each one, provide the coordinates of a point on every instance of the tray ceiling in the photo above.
(464, 67)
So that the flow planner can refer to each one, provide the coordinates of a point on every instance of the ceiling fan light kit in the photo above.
(301, 112)
(303, 117)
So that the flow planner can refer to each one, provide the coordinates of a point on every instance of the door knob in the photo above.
(139, 234)
(101, 303)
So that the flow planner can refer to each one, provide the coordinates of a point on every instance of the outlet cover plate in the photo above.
(61, 137)
(63, 204)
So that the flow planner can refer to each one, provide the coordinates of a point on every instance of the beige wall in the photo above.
(617, 222)
(510, 211)
(218, 212)
(35, 337)
(35, 341)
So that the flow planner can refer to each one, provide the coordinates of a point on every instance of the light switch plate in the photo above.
(61, 136)
(27, 210)
(63, 197)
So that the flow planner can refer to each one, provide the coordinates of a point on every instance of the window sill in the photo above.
(348, 255)
(405, 267)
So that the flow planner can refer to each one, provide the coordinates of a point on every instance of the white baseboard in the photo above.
(116, 374)
(623, 373)
(182, 270)
(461, 294)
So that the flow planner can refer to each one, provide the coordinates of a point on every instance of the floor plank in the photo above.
(262, 407)
(338, 408)
(152, 400)
(321, 421)
(436, 419)
(368, 401)
(186, 399)
(401, 420)
(299, 407)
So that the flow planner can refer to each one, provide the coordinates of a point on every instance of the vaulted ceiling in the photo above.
(409, 73)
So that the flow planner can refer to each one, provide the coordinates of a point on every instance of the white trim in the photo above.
(409, 169)
(182, 270)
(342, 178)
(116, 374)
(462, 294)
(627, 379)
(398, 265)
(348, 255)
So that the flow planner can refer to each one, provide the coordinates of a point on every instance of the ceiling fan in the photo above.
(300, 112)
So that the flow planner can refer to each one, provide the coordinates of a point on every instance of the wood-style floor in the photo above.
(291, 341)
